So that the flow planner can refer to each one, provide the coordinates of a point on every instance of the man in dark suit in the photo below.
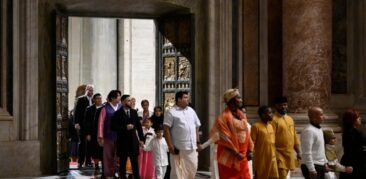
(91, 129)
(126, 122)
(82, 103)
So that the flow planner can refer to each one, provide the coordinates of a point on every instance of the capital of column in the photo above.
(307, 47)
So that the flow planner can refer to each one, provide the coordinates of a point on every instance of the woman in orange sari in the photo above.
(234, 145)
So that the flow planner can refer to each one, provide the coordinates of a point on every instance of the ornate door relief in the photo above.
(175, 59)
(62, 113)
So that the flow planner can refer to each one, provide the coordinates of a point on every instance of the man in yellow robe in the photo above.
(264, 163)
(287, 142)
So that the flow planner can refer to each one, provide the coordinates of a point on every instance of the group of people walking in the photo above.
(276, 149)
(147, 140)
(117, 135)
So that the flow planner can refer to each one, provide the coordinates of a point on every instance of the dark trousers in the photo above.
(134, 163)
(167, 174)
(84, 154)
(320, 169)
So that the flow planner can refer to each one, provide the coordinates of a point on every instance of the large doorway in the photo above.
(149, 59)
(111, 54)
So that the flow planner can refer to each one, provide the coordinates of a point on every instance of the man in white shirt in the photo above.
(312, 145)
(181, 126)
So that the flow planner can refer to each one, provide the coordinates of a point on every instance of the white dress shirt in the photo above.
(90, 100)
(148, 137)
(160, 150)
(114, 107)
(183, 123)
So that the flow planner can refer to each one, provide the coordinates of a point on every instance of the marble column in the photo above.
(103, 55)
(307, 45)
(21, 132)
(137, 59)
(219, 61)
(75, 45)
(92, 55)
(356, 44)
(219, 40)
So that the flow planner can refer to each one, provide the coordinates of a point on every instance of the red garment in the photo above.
(146, 164)
(229, 173)
(234, 135)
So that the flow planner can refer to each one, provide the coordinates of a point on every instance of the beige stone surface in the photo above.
(20, 159)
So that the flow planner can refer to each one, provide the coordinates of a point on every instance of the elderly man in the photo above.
(234, 145)
(181, 126)
(313, 147)
(82, 103)
(286, 139)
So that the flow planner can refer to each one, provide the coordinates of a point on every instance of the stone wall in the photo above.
(31, 127)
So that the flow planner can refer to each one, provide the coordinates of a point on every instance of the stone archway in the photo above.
(150, 9)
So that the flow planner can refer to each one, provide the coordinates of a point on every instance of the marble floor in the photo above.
(90, 173)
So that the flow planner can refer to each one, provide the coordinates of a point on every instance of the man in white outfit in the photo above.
(181, 126)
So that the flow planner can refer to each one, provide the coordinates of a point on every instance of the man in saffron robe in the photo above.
(233, 145)
(265, 164)
(287, 141)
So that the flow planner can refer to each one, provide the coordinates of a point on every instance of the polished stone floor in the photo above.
(90, 173)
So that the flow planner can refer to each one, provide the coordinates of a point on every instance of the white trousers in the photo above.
(330, 175)
(184, 165)
(160, 171)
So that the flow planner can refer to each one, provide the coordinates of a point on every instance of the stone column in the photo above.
(92, 55)
(75, 53)
(307, 45)
(219, 61)
(103, 53)
(356, 43)
(137, 59)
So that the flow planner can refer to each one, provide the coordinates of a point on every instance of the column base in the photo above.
(331, 121)
(20, 159)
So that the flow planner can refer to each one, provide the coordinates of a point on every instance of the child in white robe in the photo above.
(160, 150)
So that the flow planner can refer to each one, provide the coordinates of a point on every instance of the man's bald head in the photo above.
(316, 115)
